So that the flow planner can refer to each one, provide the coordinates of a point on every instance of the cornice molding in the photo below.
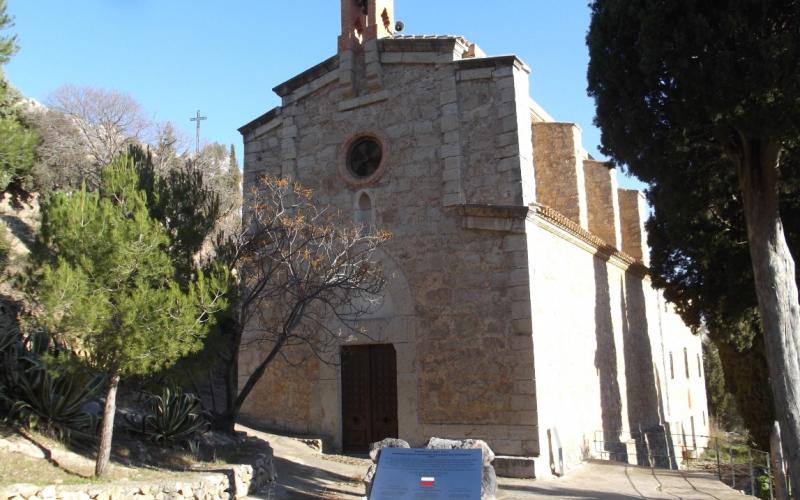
(558, 224)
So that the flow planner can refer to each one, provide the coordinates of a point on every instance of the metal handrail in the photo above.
(658, 449)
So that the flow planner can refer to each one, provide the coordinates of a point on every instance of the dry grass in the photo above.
(132, 461)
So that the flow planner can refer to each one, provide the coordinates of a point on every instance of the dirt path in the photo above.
(304, 472)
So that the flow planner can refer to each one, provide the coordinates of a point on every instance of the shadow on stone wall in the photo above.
(661, 444)
(605, 361)
(642, 394)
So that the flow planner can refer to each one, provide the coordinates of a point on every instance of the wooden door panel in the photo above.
(356, 418)
(383, 388)
(369, 395)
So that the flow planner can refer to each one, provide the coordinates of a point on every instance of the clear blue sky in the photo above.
(177, 56)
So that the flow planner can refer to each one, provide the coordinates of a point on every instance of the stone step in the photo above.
(515, 467)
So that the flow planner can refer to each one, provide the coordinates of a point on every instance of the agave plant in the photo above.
(8, 339)
(49, 400)
(54, 403)
(174, 417)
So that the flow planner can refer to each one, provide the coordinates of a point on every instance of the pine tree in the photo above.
(18, 141)
(8, 44)
(107, 289)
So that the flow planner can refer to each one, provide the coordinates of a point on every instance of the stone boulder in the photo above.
(488, 476)
(375, 448)
(488, 483)
(368, 477)
(375, 454)
(463, 444)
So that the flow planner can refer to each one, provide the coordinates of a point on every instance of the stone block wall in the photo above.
(491, 124)
(602, 201)
(285, 399)
(235, 481)
(483, 294)
(460, 317)
(633, 215)
(558, 160)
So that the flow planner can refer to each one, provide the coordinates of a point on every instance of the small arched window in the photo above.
(364, 214)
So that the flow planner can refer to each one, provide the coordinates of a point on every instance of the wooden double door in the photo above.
(369, 395)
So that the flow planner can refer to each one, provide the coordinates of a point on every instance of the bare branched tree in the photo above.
(107, 121)
(169, 147)
(304, 279)
(62, 160)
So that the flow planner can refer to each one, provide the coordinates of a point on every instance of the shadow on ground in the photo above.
(297, 480)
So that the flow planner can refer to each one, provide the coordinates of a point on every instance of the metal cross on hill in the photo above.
(198, 119)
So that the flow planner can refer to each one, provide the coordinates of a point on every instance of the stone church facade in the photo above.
(518, 308)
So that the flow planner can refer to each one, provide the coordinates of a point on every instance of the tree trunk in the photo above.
(107, 427)
(776, 288)
(254, 377)
(777, 462)
(226, 420)
(289, 324)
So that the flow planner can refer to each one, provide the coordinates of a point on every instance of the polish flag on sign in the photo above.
(427, 482)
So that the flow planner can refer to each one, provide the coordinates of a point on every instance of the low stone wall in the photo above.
(197, 486)
(253, 478)
(234, 481)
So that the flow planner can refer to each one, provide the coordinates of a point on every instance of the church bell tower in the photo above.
(365, 20)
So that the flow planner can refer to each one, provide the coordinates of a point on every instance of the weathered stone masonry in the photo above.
(518, 305)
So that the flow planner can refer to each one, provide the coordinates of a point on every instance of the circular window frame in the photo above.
(343, 160)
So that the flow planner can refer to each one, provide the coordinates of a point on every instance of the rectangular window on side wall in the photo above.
(699, 366)
(671, 367)
(686, 360)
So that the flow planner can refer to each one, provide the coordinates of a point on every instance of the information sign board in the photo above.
(422, 474)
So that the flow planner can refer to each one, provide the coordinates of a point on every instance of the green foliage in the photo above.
(107, 286)
(677, 84)
(5, 249)
(107, 283)
(700, 257)
(721, 403)
(682, 76)
(763, 489)
(19, 140)
(178, 199)
(174, 417)
(17, 152)
(8, 44)
(54, 403)
(49, 399)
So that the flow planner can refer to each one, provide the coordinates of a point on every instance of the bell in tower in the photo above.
(364, 20)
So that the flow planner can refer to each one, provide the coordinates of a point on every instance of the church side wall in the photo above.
(577, 334)
(684, 383)
(601, 336)
(462, 334)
